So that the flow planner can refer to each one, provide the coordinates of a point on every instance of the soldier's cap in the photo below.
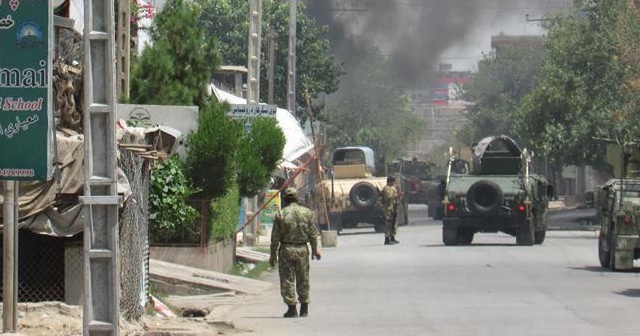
(290, 192)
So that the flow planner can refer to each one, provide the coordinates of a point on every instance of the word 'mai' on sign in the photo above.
(25, 90)
(247, 111)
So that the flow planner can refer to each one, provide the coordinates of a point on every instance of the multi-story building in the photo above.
(443, 111)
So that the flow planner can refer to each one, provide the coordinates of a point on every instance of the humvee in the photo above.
(618, 206)
(353, 190)
(498, 194)
(420, 182)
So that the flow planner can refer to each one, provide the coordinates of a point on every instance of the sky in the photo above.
(420, 34)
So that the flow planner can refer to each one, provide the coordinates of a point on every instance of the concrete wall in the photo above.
(182, 118)
(218, 257)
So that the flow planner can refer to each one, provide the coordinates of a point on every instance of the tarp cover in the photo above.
(37, 198)
(496, 143)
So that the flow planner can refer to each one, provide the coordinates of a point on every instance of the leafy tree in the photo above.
(590, 84)
(371, 110)
(317, 70)
(211, 153)
(261, 149)
(176, 68)
(503, 79)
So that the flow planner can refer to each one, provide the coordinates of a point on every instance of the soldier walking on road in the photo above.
(390, 196)
(293, 228)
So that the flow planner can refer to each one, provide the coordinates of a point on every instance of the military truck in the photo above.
(498, 194)
(420, 182)
(353, 190)
(617, 205)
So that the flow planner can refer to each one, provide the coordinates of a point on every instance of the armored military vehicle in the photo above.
(617, 205)
(353, 190)
(498, 194)
(618, 210)
(420, 182)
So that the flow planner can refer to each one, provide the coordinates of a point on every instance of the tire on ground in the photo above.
(363, 195)
(602, 254)
(539, 237)
(450, 236)
(524, 233)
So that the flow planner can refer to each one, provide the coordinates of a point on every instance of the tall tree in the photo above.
(176, 68)
(371, 110)
(590, 88)
(317, 70)
(503, 79)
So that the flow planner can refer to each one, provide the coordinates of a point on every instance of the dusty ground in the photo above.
(59, 319)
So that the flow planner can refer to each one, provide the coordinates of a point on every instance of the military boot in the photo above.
(387, 241)
(304, 309)
(291, 312)
(393, 240)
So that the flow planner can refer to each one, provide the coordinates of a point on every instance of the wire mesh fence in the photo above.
(41, 267)
(134, 236)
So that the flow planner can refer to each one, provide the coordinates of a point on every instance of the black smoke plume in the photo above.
(414, 34)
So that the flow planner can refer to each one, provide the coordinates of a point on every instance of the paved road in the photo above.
(421, 287)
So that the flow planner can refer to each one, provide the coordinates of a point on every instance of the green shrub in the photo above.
(224, 215)
(212, 151)
(259, 151)
(168, 211)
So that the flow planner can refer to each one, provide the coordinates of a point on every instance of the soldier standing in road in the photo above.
(293, 228)
(390, 196)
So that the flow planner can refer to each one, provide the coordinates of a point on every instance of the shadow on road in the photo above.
(471, 245)
(598, 269)
(595, 269)
(631, 292)
(356, 233)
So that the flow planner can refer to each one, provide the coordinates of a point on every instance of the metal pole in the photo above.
(272, 64)
(9, 282)
(291, 83)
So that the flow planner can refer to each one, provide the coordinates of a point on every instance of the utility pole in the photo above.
(291, 82)
(9, 258)
(123, 48)
(253, 67)
(101, 310)
(253, 90)
(272, 64)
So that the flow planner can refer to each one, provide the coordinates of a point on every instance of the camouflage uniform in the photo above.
(390, 198)
(293, 228)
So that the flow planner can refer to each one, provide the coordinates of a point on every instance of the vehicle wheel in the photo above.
(450, 236)
(363, 195)
(612, 248)
(524, 233)
(465, 237)
(378, 226)
(539, 237)
(438, 212)
(431, 211)
(603, 254)
(484, 197)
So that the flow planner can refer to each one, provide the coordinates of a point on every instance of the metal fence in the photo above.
(41, 267)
